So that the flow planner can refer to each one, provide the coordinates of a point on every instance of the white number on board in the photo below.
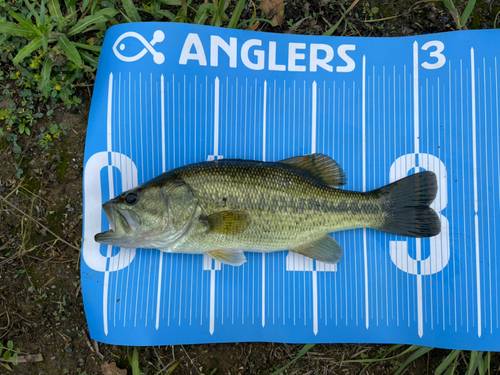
(439, 245)
(441, 59)
(94, 213)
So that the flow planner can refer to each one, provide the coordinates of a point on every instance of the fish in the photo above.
(227, 207)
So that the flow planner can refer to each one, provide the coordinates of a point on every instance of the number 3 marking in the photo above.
(439, 245)
(441, 59)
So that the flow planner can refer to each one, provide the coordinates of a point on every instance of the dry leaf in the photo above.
(274, 9)
(111, 369)
(255, 26)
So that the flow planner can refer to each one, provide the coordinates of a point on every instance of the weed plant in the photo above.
(9, 355)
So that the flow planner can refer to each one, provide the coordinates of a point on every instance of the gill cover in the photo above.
(181, 202)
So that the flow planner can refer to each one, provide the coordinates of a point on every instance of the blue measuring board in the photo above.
(168, 95)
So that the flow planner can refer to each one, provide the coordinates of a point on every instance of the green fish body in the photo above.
(225, 207)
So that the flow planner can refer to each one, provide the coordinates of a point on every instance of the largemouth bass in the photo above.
(225, 207)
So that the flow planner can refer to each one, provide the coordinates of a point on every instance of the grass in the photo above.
(460, 20)
(476, 360)
(54, 48)
(134, 363)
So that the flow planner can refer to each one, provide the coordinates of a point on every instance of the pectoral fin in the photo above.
(231, 257)
(326, 250)
(227, 222)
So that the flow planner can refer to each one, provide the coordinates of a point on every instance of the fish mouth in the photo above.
(122, 223)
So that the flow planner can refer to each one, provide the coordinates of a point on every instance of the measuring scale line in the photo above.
(163, 161)
(115, 162)
(313, 151)
(365, 244)
(264, 119)
(111, 189)
(476, 201)
(208, 263)
(306, 264)
(416, 127)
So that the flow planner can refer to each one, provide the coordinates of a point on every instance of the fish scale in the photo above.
(287, 207)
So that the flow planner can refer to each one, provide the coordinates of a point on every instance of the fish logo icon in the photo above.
(158, 37)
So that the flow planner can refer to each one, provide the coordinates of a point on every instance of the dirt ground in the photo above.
(41, 308)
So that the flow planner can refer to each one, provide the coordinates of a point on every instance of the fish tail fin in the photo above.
(406, 204)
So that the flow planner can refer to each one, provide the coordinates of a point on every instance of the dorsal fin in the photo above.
(320, 166)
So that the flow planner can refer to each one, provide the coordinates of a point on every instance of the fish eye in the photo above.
(131, 198)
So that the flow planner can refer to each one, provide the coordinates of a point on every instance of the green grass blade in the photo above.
(484, 364)
(27, 50)
(43, 11)
(54, 8)
(135, 363)
(131, 11)
(467, 11)
(33, 11)
(111, 20)
(392, 348)
(495, 21)
(46, 69)
(418, 353)
(451, 7)
(11, 28)
(70, 3)
(88, 47)
(487, 364)
(173, 367)
(454, 12)
(26, 24)
(475, 358)
(380, 356)
(98, 17)
(26, 73)
(171, 2)
(447, 362)
(236, 14)
(370, 361)
(303, 351)
(411, 348)
(219, 12)
(92, 59)
(94, 5)
(203, 13)
(166, 13)
(70, 50)
(45, 43)
(125, 17)
(71, 10)
(85, 5)
(332, 29)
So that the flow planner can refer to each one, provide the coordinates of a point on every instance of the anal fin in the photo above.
(232, 257)
(326, 250)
